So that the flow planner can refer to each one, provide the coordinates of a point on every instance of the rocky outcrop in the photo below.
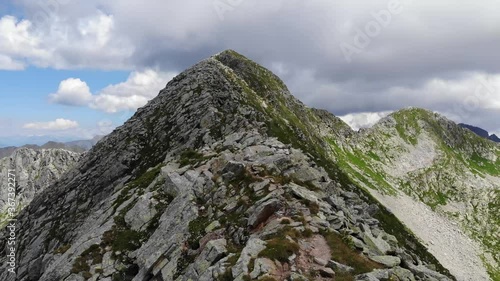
(34, 171)
(223, 176)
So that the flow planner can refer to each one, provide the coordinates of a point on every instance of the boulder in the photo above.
(142, 212)
(403, 274)
(327, 272)
(252, 249)
(336, 266)
(264, 211)
(388, 261)
(262, 266)
(233, 170)
(214, 251)
(376, 245)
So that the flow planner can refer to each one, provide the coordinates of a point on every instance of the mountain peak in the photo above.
(256, 76)
(224, 166)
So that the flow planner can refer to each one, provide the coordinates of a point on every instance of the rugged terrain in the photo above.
(36, 170)
(437, 162)
(223, 176)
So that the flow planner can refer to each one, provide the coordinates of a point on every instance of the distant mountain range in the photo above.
(78, 146)
(481, 132)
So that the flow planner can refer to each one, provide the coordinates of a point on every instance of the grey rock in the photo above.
(262, 267)
(35, 170)
(142, 212)
(336, 266)
(253, 247)
(320, 261)
(214, 251)
(327, 272)
(74, 277)
(357, 243)
(212, 226)
(302, 192)
(260, 185)
(388, 261)
(233, 170)
(263, 211)
(403, 274)
(376, 245)
(375, 275)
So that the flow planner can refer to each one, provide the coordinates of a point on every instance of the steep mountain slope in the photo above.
(223, 176)
(37, 169)
(453, 171)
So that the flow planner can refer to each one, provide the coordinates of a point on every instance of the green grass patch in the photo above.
(190, 157)
(484, 165)
(343, 253)
(63, 249)
(91, 256)
(279, 249)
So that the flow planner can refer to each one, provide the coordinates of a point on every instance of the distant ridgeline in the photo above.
(79, 146)
(481, 132)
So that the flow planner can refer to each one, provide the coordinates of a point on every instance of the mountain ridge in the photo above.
(238, 174)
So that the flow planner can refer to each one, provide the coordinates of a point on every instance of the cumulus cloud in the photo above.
(363, 119)
(86, 42)
(17, 43)
(417, 58)
(139, 88)
(72, 91)
(57, 125)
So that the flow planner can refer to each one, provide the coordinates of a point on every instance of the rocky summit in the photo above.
(226, 176)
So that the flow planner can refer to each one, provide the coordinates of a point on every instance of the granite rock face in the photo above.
(223, 176)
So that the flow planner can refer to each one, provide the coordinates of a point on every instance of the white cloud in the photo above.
(112, 104)
(396, 69)
(363, 119)
(7, 63)
(57, 125)
(18, 43)
(139, 88)
(85, 42)
(72, 92)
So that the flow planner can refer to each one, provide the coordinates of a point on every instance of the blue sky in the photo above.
(25, 99)
(73, 69)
